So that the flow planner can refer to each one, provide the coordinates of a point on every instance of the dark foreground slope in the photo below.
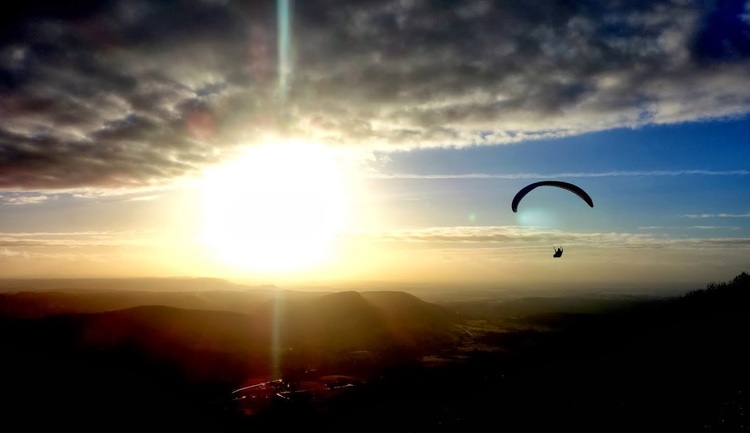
(391, 362)
(646, 365)
(669, 365)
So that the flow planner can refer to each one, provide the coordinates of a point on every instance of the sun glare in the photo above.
(278, 207)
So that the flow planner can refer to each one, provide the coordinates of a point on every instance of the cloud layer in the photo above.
(136, 93)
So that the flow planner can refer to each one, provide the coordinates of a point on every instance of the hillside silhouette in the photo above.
(374, 360)
(195, 357)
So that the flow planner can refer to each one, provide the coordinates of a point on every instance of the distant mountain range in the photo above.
(227, 333)
(179, 284)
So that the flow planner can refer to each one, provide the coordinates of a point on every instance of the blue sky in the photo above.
(656, 189)
(289, 142)
(669, 175)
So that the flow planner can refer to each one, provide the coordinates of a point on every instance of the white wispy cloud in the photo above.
(515, 236)
(17, 200)
(76, 239)
(623, 173)
(701, 227)
(716, 227)
(717, 215)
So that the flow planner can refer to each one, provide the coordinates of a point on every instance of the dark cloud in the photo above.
(136, 92)
(724, 33)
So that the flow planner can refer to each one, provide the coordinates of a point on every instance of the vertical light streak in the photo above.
(284, 43)
(276, 346)
(283, 18)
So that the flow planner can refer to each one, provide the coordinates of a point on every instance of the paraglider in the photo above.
(575, 189)
(556, 183)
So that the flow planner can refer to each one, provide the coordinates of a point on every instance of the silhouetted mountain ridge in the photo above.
(159, 284)
(347, 321)
(309, 329)
(39, 303)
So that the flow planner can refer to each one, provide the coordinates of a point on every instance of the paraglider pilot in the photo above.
(558, 252)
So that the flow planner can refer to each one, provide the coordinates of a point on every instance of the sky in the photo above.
(283, 142)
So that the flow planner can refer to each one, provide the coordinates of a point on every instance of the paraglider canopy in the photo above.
(556, 183)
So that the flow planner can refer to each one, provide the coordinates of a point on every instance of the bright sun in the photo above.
(278, 207)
